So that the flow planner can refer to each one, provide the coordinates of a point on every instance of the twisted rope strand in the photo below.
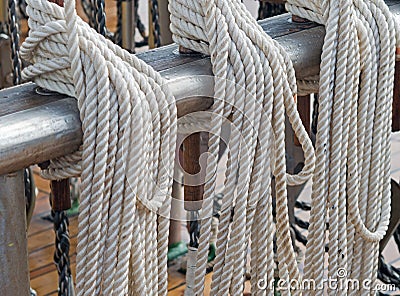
(123, 105)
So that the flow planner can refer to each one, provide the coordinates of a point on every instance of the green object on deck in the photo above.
(177, 250)
(74, 210)
(211, 252)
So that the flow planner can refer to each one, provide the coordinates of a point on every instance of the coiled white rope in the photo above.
(351, 183)
(255, 81)
(126, 160)
(129, 123)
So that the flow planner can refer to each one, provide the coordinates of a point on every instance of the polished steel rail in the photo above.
(36, 125)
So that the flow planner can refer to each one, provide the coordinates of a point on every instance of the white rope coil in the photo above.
(129, 134)
(351, 183)
(254, 77)
(126, 160)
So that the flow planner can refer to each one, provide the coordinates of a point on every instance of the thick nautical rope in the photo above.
(255, 82)
(351, 183)
(126, 160)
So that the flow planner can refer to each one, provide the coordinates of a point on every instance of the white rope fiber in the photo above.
(254, 78)
(129, 135)
(126, 160)
(351, 183)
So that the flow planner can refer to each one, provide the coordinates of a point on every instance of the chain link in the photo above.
(14, 35)
(61, 254)
(156, 24)
(266, 10)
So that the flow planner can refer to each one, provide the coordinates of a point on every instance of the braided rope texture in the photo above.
(126, 161)
(351, 183)
(255, 85)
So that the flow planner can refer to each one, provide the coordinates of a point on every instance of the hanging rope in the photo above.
(126, 160)
(252, 72)
(129, 132)
(351, 184)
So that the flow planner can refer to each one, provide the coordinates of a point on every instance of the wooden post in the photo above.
(3, 11)
(14, 270)
(128, 25)
(191, 155)
(60, 195)
(164, 19)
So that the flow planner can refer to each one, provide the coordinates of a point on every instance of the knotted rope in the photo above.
(351, 183)
(255, 81)
(126, 160)
(129, 124)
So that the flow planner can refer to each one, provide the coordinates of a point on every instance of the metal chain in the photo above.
(100, 17)
(266, 10)
(22, 8)
(314, 123)
(194, 229)
(14, 35)
(118, 32)
(388, 273)
(156, 25)
(61, 254)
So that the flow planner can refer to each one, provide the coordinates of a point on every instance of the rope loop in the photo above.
(126, 160)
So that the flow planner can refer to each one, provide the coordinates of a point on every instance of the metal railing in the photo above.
(36, 125)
